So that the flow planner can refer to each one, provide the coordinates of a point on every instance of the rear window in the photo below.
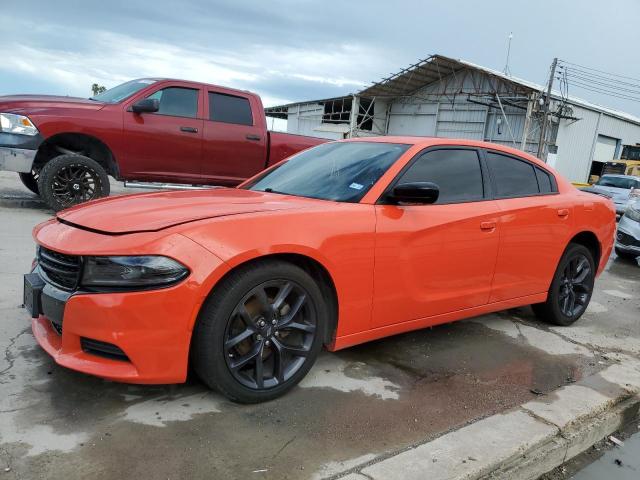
(229, 109)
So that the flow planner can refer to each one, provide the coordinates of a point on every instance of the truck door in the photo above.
(165, 145)
(235, 140)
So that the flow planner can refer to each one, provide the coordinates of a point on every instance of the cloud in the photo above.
(290, 50)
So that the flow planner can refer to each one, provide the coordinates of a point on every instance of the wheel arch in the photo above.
(316, 269)
(79, 143)
(589, 240)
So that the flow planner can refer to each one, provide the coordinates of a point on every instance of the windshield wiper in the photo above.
(271, 190)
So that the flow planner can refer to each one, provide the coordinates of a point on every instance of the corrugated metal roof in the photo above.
(436, 67)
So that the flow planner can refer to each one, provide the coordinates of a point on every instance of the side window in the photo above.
(177, 101)
(512, 177)
(229, 109)
(456, 172)
(544, 181)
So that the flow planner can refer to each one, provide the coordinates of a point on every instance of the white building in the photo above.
(444, 97)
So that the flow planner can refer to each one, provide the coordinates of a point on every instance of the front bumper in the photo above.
(628, 236)
(16, 159)
(152, 328)
(17, 152)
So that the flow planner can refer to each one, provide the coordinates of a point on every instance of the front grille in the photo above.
(61, 270)
(626, 239)
(102, 349)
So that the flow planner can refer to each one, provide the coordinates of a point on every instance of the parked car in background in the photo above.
(628, 234)
(341, 244)
(622, 189)
(150, 130)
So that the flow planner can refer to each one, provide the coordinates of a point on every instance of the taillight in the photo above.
(634, 193)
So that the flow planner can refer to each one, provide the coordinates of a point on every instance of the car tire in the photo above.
(70, 179)
(625, 255)
(269, 360)
(571, 287)
(30, 180)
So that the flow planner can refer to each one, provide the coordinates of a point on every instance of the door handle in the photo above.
(563, 212)
(255, 138)
(487, 226)
(189, 129)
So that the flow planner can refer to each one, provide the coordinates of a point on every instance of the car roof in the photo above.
(434, 141)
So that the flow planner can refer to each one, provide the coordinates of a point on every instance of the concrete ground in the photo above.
(355, 408)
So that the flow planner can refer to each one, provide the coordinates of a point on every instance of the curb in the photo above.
(20, 201)
(525, 442)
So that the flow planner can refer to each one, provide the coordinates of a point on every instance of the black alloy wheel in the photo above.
(575, 286)
(260, 330)
(70, 179)
(571, 287)
(74, 184)
(270, 334)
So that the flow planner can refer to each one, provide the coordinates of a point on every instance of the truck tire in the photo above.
(30, 180)
(70, 179)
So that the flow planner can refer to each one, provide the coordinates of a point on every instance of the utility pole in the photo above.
(545, 113)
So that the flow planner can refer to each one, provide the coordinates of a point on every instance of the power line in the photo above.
(600, 71)
(576, 71)
(592, 88)
(604, 84)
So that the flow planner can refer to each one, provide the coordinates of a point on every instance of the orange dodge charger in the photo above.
(341, 244)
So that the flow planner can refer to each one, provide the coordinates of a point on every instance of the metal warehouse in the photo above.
(444, 97)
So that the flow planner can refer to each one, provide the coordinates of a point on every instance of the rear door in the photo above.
(535, 225)
(235, 140)
(439, 258)
(165, 145)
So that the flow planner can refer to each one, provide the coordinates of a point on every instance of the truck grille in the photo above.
(61, 270)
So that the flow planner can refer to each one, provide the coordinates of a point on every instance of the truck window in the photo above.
(229, 109)
(177, 101)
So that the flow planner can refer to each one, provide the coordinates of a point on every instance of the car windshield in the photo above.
(343, 171)
(618, 182)
(125, 90)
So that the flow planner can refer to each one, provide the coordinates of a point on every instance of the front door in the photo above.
(439, 258)
(165, 145)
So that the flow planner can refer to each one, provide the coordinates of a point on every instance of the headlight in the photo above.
(131, 272)
(632, 212)
(13, 123)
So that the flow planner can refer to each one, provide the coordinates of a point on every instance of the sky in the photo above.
(289, 50)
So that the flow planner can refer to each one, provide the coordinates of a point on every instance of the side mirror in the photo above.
(146, 105)
(415, 192)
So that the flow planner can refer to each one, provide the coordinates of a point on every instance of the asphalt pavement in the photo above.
(356, 407)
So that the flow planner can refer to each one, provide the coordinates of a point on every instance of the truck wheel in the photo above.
(30, 180)
(70, 179)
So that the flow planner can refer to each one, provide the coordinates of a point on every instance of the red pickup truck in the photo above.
(149, 130)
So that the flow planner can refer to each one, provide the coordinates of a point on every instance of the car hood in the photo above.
(150, 212)
(619, 195)
(21, 103)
